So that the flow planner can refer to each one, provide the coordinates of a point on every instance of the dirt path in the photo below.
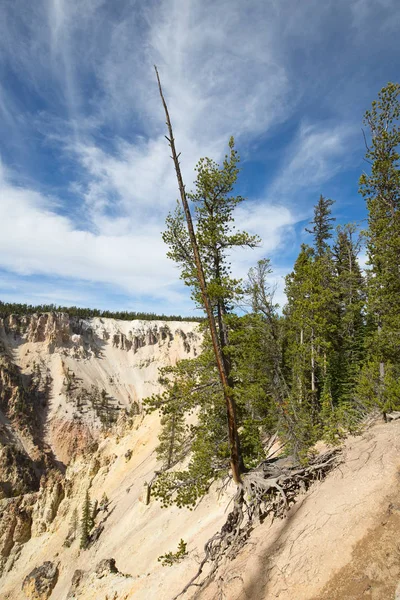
(374, 570)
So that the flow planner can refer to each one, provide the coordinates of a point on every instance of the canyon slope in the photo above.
(71, 421)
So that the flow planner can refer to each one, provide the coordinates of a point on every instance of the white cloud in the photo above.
(36, 240)
(224, 69)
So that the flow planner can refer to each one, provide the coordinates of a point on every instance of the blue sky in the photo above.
(85, 175)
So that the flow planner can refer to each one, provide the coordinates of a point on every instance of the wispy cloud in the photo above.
(314, 157)
(36, 240)
(79, 99)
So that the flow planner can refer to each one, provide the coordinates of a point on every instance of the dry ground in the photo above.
(341, 541)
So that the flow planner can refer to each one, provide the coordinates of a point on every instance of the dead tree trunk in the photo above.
(235, 453)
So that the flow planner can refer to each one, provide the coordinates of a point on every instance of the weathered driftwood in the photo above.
(393, 416)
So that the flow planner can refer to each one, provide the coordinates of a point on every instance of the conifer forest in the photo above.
(312, 371)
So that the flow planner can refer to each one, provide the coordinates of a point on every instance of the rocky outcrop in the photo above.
(53, 328)
(15, 528)
(22, 395)
(17, 472)
(28, 516)
(77, 580)
(105, 567)
(78, 336)
(40, 582)
(74, 438)
(49, 498)
(14, 400)
(88, 580)
(148, 336)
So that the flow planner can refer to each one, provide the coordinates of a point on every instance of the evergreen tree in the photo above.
(311, 327)
(193, 386)
(203, 258)
(300, 353)
(171, 447)
(322, 225)
(349, 343)
(213, 214)
(381, 190)
(86, 522)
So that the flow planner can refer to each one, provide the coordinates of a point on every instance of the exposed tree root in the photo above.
(268, 490)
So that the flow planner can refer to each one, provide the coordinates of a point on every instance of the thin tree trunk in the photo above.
(312, 362)
(381, 364)
(236, 457)
(302, 366)
(382, 371)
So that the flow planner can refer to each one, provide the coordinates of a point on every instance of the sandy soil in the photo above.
(339, 542)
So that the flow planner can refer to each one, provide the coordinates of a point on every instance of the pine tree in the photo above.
(381, 190)
(171, 447)
(203, 258)
(300, 351)
(196, 388)
(349, 343)
(262, 382)
(322, 225)
(312, 321)
(191, 386)
(86, 522)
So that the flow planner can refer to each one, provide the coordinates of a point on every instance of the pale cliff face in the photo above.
(87, 374)
(70, 393)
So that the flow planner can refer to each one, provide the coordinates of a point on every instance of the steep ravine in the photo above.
(70, 391)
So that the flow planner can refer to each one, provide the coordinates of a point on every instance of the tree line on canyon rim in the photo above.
(313, 372)
(20, 309)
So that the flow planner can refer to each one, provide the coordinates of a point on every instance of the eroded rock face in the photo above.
(15, 528)
(26, 516)
(77, 580)
(50, 495)
(53, 328)
(17, 473)
(82, 581)
(66, 385)
(40, 582)
(105, 567)
(14, 401)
